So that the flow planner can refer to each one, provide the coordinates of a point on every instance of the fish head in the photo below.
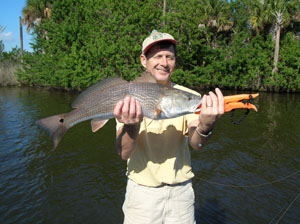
(175, 103)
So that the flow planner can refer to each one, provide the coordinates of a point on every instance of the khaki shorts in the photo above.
(159, 205)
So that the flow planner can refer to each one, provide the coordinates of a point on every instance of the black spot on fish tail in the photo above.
(55, 126)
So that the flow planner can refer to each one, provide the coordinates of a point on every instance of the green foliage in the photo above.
(288, 76)
(1, 49)
(86, 41)
(13, 55)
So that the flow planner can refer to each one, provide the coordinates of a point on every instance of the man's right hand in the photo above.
(128, 111)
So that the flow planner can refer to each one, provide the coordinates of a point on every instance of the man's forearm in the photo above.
(198, 135)
(126, 140)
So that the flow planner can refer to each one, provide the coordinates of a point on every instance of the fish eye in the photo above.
(189, 98)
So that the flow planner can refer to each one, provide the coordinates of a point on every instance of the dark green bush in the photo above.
(86, 41)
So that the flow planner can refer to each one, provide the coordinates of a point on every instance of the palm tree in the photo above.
(33, 14)
(272, 16)
(21, 36)
(283, 15)
(260, 18)
(215, 15)
(34, 11)
(278, 24)
(164, 14)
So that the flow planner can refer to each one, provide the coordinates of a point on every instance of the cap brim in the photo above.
(150, 45)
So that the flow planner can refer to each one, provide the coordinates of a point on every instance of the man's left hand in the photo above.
(211, 110)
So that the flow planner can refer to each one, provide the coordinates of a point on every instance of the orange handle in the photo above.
(235, 102)
(239, 97)
(236, 105)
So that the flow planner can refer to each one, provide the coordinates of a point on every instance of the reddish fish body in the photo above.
(98, 101)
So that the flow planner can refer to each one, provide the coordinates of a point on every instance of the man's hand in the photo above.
(128, 111)
(211, 110)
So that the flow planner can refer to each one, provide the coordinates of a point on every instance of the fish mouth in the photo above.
(197, 108)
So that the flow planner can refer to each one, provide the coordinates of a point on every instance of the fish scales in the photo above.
(98, 106)
(97, 90)
(147, 93)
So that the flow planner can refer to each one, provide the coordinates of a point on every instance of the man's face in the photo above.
(160, 62)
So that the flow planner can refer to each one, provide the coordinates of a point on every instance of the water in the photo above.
(249, 173)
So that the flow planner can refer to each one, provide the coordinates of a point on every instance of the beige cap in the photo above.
(156, 37)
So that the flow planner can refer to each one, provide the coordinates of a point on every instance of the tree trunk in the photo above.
(164, 14)
(276, 53)
(21, 37)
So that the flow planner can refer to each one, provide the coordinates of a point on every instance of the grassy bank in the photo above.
(8, 70)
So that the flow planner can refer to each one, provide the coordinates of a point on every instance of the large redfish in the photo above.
(98, 101)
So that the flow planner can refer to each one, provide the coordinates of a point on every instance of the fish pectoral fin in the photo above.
(156, 113)
(97, 124)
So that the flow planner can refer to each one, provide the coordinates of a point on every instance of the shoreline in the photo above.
(8, 69)
(8, 77)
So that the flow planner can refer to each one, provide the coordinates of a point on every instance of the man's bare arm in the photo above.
(212, 109)
(129, 112)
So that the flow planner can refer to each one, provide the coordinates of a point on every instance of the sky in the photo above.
(10, 10)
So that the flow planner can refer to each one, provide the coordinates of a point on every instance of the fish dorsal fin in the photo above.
(98, 88)
(145, 77)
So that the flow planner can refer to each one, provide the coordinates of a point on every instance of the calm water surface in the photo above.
(249, 173)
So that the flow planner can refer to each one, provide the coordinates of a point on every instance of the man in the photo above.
(159, 188)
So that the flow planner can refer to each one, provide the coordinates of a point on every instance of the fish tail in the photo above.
(55, 126)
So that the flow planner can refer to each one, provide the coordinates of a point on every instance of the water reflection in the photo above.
(240, 176)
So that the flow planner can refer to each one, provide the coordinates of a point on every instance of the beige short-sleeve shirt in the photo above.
(162, 154)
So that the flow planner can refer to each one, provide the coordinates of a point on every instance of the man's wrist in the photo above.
(204, 135)
(132, 126)
(204, 131)
(132, 129)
